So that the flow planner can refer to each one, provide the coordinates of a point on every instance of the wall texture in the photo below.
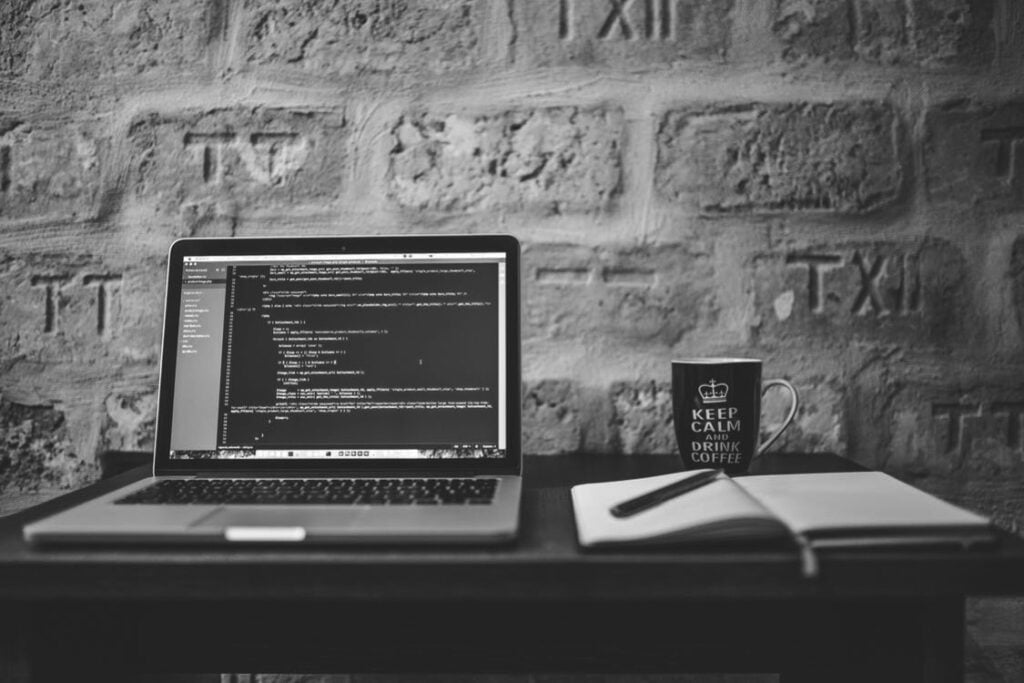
(836, 186)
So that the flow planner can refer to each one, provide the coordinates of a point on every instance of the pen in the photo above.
(658, 496)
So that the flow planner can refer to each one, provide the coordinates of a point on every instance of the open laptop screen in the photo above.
(342, 356)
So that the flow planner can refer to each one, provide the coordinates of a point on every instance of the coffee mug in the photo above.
(716, 409)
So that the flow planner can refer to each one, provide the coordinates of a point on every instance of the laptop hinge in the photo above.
(306, 474)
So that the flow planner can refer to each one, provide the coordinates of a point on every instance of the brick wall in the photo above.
(836, 186)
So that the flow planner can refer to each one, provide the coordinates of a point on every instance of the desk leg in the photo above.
(900, 642)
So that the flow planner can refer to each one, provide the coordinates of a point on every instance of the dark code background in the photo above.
(439, 331)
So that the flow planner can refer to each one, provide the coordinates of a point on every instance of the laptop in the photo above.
(341, 390)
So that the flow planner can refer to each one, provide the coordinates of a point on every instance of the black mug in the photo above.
(716, 409)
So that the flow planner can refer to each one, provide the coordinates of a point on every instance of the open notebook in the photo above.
(833, 509)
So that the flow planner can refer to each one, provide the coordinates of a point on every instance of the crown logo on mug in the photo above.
(713, 392)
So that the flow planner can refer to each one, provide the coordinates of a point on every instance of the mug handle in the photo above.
(789, 418)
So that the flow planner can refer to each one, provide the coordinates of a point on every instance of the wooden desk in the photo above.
(539, 605)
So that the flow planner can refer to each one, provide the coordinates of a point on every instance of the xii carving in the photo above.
(624, 20)
(889, 284)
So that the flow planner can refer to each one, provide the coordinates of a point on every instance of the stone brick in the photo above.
(1000, 498)
(642, 418)
(130, 420)
(616, 293)
(939, 419)
(842, 158)
(366, 36)
(15, 35)
(37, 452)
(819, 28)
(77, 310)
(974, 152)
(959, 31)
(623, 34)
(981, 433)
(558, 160)
(818, 424)
(994, 626)
(200, 164)
(925, 32)
(48, 170)
(551, 417)
(885, 292)
(76, 39)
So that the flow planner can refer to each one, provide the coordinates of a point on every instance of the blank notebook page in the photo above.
(718, 510)
(854, 500)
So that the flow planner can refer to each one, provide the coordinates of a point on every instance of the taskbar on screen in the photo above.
(339, 453)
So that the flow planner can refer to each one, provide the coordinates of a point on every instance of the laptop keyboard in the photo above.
(385, 491)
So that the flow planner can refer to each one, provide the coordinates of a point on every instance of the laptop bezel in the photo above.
(511, 463)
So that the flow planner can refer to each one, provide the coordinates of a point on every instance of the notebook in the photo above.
(329, 390)
(818, 510)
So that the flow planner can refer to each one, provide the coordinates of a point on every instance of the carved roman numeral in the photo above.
(640, 278)
(617, 18)
(958, 418)
(1009, 156)
(817, 266)
(211, 147)
(960, 425)
(270, 149)
(901, 298)
(565, 19)
(5, 168)
(908, 292)
(105, 286)
(58, 289)
(869, 298)
(1014, 414)
(659, 19)
(266, 157)
(51, 286)
(621, 22)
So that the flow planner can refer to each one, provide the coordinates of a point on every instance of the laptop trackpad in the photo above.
(290, 518)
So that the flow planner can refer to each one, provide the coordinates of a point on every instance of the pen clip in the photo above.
(809, 566)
